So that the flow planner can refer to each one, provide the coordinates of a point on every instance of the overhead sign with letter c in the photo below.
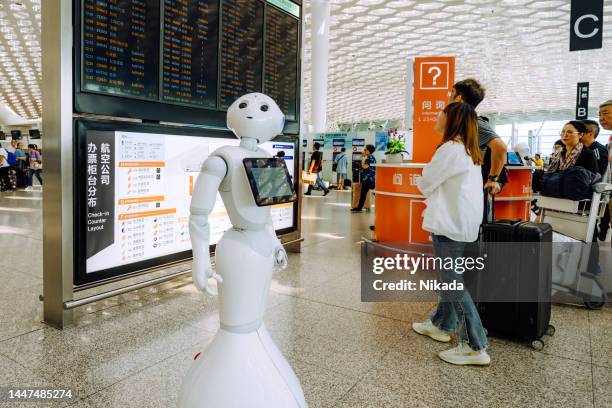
(586, 28)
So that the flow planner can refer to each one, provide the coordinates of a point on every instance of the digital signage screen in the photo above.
(190, 52)
(135, 190)
(281, 68)
(34, 133)
(121, 47)
(241, 50)
(185, 61)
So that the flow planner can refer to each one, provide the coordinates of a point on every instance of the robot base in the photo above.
(240, 370)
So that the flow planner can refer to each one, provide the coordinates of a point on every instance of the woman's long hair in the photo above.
(462, 123)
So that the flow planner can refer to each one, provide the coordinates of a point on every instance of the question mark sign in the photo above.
(437, 74)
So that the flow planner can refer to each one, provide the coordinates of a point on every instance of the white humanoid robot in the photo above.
(242, 367)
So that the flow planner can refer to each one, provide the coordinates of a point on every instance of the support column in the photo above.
(320, 23)
(514, 136)
(409, 119)
(57, 191)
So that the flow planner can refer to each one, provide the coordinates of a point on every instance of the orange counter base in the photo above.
(398, 215)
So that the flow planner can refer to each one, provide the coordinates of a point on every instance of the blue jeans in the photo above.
(30, 177)
(456, 305)
(320, 184)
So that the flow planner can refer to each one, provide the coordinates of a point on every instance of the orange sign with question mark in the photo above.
(434, 78)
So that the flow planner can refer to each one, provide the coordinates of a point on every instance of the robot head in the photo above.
(256, 116)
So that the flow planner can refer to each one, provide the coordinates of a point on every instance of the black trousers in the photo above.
(604, 223)
(365, 189)
(4, 176)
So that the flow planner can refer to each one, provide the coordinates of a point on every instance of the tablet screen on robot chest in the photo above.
(270, 181)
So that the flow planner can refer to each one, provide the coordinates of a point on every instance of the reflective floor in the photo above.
(132, 351)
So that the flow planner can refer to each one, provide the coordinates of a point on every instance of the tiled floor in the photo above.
(132, 351)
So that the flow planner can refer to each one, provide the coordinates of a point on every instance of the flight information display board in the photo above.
(190, 52)
(120, 54)
(137, 188)
(241, 49)
(281, 72)
(185, 61)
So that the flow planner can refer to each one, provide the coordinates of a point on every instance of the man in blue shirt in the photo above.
(341, 168)
(368, 175)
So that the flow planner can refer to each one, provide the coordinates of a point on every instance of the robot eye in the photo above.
(242, 105)
(264, 108)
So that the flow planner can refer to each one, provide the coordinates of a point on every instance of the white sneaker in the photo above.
(464, 355)
(427, 328)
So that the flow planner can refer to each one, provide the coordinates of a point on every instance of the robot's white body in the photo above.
(242, 367)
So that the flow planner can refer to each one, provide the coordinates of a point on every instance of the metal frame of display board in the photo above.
(58, 195)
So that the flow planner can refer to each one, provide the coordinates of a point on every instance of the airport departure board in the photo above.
(281, 72)
(120, 54)
(190, 52)
(241, 49)
(185, 61)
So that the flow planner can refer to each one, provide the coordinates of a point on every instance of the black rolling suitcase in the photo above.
(519, 271)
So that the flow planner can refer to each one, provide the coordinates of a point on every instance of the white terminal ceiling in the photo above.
(519, 49)
(20, 57)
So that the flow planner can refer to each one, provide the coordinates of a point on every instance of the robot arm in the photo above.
(202, 203)
(280, 256)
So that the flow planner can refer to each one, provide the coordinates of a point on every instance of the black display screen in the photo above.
(281, 70)
(269, 180)
(190, 52)
(121, 47)
(241, 49)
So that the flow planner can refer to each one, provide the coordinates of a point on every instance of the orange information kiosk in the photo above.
(398, 215)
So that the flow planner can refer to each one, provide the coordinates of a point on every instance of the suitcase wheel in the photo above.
(594, 305)
(537, 345)
(550, 330)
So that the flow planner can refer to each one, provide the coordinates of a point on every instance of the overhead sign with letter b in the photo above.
(586, 28)
(582, 101)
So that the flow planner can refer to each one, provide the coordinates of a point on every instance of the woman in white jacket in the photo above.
(452, 183)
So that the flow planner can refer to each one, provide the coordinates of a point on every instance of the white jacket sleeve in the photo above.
(448, 161)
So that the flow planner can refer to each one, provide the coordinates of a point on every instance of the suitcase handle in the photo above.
(491, 210)
(490, 205)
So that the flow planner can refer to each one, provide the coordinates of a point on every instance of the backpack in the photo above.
(11, 159)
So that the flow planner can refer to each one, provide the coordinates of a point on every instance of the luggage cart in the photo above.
(575, 221)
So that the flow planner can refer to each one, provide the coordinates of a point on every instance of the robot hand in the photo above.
(200, 274)
(280, 258)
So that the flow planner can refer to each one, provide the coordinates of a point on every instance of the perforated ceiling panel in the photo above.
(20, 57)
(517, 48)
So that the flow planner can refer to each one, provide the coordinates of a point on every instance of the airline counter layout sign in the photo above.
(139, 192)
(434, 78)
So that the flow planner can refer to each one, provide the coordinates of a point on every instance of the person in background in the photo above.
(12, 147)
(316, 165)
(573, 153)
(21, 157)
(368, 175)
(493, 148)
(537, 160)
(4, 170)
(589, 140)
(601, 155)
(452, 183)
(34, 160)
(341, 168)
(605, 119)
